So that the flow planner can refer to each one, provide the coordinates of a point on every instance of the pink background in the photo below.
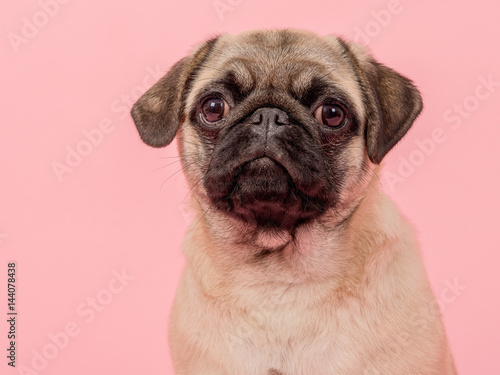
(113, 211)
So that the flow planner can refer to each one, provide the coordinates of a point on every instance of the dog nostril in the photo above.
(257, 119)
(281, 120)
(269, 117)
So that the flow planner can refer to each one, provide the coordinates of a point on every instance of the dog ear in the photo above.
(393, 103)
(157, 113)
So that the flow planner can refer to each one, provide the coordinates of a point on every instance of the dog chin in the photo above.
(272, 239)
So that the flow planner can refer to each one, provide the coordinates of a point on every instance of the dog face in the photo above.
(277, 129)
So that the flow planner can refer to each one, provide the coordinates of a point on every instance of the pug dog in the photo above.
(297, 263)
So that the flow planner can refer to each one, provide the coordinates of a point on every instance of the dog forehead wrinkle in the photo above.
(271, 52)
(309, 89)
(301, 77)
(261, 55)
(242, 72)
(236, 87)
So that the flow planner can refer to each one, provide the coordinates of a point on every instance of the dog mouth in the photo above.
(263, 193)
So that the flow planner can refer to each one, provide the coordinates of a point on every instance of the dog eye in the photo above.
(330, 114)
(214, 109)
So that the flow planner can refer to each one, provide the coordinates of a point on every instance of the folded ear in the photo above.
(393, 103)
(157, 113)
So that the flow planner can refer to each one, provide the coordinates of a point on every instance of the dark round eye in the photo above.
(330, 114)
(214, 109)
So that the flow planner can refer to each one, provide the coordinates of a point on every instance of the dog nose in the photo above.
(270, 118)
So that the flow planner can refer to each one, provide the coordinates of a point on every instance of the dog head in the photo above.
(279, 128)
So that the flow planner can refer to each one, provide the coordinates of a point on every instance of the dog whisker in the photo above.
(165, 166)
(176, 173)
